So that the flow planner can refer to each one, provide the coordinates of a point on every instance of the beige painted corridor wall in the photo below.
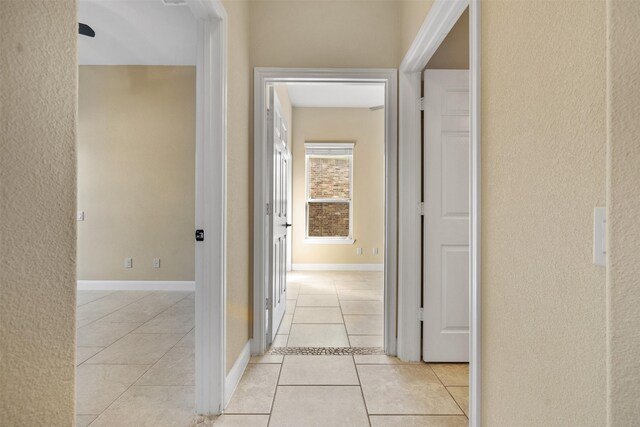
(136, 172)
(38, 86)
(239, 176)
(453, 52)
(285, 34)
(623, 202)
(543, 156)
(366, 129)
(325, 33)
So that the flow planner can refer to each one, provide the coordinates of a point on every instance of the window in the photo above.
(329, 187)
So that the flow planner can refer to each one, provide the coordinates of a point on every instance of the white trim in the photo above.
(329, 145)
(409, 239)
(338, 267)
(263, 76)
(135, 285)
(211, 139)
(235, 374)
(328, 241)
(441, 18)
(475, 223)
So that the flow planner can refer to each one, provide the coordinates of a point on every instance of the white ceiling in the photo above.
(136, 32)
(346, 95)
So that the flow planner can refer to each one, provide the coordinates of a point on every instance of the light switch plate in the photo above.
(80, 216)
(600, 236)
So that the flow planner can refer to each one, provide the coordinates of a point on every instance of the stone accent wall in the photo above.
(329, 178)
(329, 219)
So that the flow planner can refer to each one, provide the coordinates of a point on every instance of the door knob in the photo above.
(287, 225)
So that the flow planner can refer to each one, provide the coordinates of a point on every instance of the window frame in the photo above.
(334, 240)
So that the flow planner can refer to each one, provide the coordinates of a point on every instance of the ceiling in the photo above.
(345, 95)
(136, 32)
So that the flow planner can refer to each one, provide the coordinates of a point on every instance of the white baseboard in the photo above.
(135, 285)
(338, 267)
(235, 374)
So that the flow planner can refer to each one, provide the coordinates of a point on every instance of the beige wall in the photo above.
(37, 211)
(623, 203)
(136, 172)
(325, 33)
(239, 179)
(412, 15)
(543, 156)
(366, 128)
(285, 34)
(453, 52)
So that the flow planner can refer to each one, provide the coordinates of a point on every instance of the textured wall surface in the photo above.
(624, 213)
(239, 178)
(543, 155)
(321, 33)
(136, 172)
(366, 128)
(37, 211)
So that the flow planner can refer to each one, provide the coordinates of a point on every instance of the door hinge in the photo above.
(421, 208)
(421, 314)
(267, 303)
(268, 209)
(421, 104)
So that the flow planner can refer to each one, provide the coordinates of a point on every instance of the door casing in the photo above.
(441, 18)
(261, 238)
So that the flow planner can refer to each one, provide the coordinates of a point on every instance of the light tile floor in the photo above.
(135, 361)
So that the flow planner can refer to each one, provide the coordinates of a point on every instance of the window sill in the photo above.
(328, 241)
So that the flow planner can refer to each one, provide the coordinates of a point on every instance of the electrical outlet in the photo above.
(128, 263)
(358, 251)
(156, 263)
(375, 251)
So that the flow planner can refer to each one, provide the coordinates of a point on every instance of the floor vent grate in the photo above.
(326, 351)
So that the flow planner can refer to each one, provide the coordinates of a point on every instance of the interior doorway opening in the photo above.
(139, 321)
(305, 124)
(329, 146)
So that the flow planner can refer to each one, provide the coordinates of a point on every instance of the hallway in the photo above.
(297, 384)
(136, 363)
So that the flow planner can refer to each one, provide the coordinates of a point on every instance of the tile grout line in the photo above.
(89, 302)
(132, 332)
(136, 380)
(275, 393)
(447, 389)
(163, 311)
(131, 364)
(364, 400)
(111, 312)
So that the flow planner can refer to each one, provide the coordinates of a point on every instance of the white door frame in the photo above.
(211, 140)
(264, 76)
(441, 18)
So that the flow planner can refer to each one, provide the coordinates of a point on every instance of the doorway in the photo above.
(333, 136)
(272, 213)
(465, 280)
(166, 306)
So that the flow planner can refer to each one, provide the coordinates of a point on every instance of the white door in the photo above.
(278, 208)
(446, 222)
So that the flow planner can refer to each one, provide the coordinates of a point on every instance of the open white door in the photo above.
(278, 209)
(446, 224)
